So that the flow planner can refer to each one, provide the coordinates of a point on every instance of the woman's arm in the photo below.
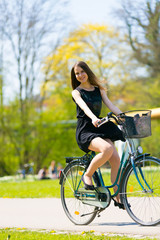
(77, 97)
(109, 104)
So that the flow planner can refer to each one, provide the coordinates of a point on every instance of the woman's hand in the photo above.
(95, 121)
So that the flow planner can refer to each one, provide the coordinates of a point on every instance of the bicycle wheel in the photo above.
(143, 206)
(73, 207)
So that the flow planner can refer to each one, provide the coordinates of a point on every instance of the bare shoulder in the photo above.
(103, 92)
(75, 94)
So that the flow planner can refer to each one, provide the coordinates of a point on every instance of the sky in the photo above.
(94, 11)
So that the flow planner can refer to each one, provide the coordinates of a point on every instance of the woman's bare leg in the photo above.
(105, 149)
(109, 153)
(114, 163)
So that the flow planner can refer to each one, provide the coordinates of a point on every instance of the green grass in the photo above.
(11, 187)
(20, 234)
(33, 188)
(30, 189)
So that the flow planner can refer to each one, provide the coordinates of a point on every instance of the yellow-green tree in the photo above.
(103, 48)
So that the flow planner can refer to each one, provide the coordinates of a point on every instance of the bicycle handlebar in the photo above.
(106, 119)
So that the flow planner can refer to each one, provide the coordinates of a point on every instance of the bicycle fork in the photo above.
(141, 174)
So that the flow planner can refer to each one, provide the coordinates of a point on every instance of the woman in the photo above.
(88, 95)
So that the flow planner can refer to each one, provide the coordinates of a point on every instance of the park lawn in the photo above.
(33, 189)
(30, 189)
(47, 188)
(22, 234)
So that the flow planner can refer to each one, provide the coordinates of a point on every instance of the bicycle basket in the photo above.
(136, 124)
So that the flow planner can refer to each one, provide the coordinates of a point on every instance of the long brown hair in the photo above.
(91, 76)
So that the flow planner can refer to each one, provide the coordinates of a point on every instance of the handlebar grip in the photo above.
(110, 114)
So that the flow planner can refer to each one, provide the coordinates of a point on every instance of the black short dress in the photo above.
(86, 131)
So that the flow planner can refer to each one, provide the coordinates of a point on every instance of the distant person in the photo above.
(43, 173)
(53, 170)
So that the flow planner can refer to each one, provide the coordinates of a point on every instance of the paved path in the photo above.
(47, 213)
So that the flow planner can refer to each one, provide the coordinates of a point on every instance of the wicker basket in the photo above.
(136, 124)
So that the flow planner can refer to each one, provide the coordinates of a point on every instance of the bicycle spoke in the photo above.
(68, 182)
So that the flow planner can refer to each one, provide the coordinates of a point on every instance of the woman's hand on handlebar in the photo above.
(102, 121)
(95, 121)
(106, 119)
(98, 122)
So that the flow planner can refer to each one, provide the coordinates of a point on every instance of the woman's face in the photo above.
(80, 74)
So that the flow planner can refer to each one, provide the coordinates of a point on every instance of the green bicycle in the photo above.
(138, 179)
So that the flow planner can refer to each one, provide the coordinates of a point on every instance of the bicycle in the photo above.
(139, 181)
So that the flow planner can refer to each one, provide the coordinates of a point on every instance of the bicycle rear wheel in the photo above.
(73, 207)
(143, 206)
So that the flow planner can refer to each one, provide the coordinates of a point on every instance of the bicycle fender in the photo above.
(142, 155)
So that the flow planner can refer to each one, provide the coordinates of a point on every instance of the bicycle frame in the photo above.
(133, 153)
(122, 167)
(132, 156)
(123, 164)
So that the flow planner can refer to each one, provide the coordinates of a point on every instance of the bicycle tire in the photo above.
(143, 206)
(72, 206)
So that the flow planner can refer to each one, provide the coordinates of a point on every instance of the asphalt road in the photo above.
(47, 213)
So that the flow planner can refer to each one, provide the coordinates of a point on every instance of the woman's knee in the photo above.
(107, 149)
(103, 146)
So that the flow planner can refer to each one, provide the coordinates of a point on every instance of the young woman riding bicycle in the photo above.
(88, 95)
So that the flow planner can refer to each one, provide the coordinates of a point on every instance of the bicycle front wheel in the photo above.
(76, 211)
(143, 203)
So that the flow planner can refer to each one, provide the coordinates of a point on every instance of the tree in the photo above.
(28, 29)
(103, 49)
(5, 155)
(142, 20)
(142, 23)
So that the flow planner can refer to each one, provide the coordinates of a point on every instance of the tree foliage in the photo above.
(142, 23)
(142, 19)
(26, 29)
(103, 49)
